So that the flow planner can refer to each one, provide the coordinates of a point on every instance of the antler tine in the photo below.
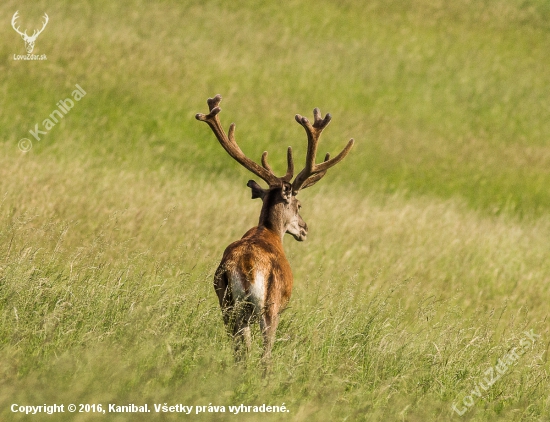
(289, 167)
(316, 177)
(312, 172)
(13, 19)
(265, 164)
(228, 143)
(36, 33)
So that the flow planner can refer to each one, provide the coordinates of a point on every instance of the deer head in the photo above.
(280, 208)
(29, 40)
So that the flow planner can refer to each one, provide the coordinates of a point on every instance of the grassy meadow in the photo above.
(427, 255)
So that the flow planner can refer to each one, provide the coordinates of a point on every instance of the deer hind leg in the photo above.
(237, 311)
(223, 291)
(241, 318)
(269, 321)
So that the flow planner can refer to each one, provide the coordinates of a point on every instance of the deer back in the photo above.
(257, 270)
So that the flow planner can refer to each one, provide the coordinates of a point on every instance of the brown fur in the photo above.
(258, 257)
(254, 279)
(259, 249)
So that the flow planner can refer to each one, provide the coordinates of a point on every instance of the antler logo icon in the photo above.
(29, 40)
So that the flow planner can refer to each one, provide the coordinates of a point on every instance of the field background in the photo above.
(428, 249)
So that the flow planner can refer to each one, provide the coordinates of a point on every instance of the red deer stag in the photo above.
(254, 279)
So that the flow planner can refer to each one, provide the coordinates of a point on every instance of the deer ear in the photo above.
(286, 192)
(257, 191)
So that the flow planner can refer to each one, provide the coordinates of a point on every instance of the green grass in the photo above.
(428, 249)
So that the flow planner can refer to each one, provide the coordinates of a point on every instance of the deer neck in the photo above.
(272, 218)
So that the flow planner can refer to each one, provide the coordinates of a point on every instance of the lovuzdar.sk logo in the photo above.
(29, 39)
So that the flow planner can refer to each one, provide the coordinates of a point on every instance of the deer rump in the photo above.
(251, 271)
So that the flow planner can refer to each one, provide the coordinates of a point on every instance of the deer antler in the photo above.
(13, 19)
(228, 143)
(312, 172)
(35, 34)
